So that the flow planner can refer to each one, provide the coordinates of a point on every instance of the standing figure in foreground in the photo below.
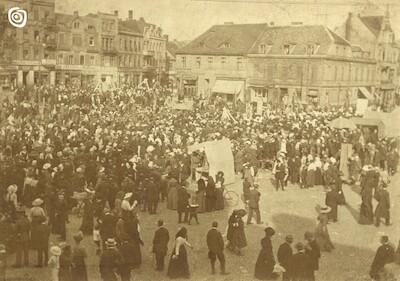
(384, 255)
(160, 244)
(321, 233)
(266, 262)
(285, 253)
(215, 244)
(314, 253)
(178, 265)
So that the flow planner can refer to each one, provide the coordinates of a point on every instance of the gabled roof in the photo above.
(174, 46)
(374, 23)
(237, 38)
(298, 37)
(64, 18)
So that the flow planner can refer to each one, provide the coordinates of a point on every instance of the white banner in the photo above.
(362, 106)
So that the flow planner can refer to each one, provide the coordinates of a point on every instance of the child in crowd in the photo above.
(54, 262)
(193, 210)
(97, 238)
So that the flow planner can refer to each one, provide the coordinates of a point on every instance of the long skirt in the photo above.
(323, 239)
(179, 268)
(219, 204)
(366, 212)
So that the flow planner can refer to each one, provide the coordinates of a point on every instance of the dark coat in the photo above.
(314, 254)
(332, 199)
(215, 242)
(160, 241)
(151, 191)
(40, 238)
(107, 228)
(110, 261)
(383, 208)
(299, 267)
(265, 262)
(384, 255)
(285, 253)
(254, 198)
(183, 200)
(22, 229)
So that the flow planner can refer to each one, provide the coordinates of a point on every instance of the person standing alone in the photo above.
(160, 244)
(215, 244)
(254, 198)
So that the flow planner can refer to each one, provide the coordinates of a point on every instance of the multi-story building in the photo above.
(27, 54)
(308, 64)
(170, 65)
(130, 47)
(86, 48)
(215, 62)
(374, 34)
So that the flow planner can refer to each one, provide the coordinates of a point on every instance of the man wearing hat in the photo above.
(40, 241)
(160, 244)
(110, 261)
(183, 204)
(254, 198)
(313, 252)
(299, 264)
(216, 246)
(285, 253)
(22, 231)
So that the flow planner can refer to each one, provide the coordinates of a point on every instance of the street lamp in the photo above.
(40, 63)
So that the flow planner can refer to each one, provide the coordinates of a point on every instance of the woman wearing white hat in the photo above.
(126, 206)
(12, 202)
(54, 262)
(321, 232)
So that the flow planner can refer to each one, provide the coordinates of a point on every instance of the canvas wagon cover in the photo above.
(220, 157)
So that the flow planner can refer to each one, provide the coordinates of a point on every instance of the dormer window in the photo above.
(264, 48)
(91, 28)
(312, 49)
(202, 44)
(286, 49)
(225, 45)
(76, 25)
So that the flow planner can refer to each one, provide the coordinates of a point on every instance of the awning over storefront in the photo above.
(228, 87)
(369, 122)
(366, 93)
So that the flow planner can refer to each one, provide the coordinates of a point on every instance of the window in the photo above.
(225, 45)
(239, 63)
(60, 58)
(342, 77)
(36, 14)
(183, 62)
(285, 71)
(82, 60)
(130, 45)
(111, 43)
(120, 43)
(263, 49)
(311, 49)
(91, 28)
(46, 14)
(112, 61)
(286, 49)
(223, 62)
(314, 73)
(335, 74)
(210, 61)
(36, 54)
(91, 41)
(198, 62)
(36, 35)
(126, 45)
(111, 26)
(270, 71)
(77, 40)
(300, 72)
(25, 54)
(356, 74)
(71, 59)
(62, 39)
(76, 25)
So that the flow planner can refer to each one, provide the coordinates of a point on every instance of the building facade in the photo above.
(308, 65)
(28, 54)
(214, 64)
(374, 34)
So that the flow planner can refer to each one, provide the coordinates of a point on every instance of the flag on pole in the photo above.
(226, 115)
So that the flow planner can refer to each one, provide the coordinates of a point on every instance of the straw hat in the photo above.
(325, 209)
(128, 195)
(55, 250)
(111, 242)
(37, 202)
(46, 166)
(12, 188)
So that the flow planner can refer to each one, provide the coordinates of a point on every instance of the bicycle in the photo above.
(231, 197)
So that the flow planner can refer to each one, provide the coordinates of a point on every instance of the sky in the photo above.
(186, 19)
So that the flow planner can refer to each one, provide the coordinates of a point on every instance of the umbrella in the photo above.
(342, 123)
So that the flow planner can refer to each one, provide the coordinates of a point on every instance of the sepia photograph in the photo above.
(210, 140)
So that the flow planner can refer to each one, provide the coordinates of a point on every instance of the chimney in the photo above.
(349, 26)
(76, 13)
(271, 23)
(116, 12)
(130, 12)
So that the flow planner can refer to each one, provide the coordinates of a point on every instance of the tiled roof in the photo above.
(130, 26)
(374, 23)
(298, 37)
(64, 18)
(229, 39)
(173, 46)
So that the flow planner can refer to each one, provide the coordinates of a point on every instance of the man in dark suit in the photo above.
(215, 244)
(151, 195)
(40, 242)
(332, 199)
(314, 253)
(183, 204)
(299, 265)
(22, 232)
(383, 208)
(160, 245)
(110, 261)
(384, 255)
(285, 253)
(254, 198)
(280, 172)
(108, 226)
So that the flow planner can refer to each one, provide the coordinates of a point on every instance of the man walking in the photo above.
(254, 198)
(160, 244)
(314, 253)
(22, 230)
(280, 172)
(151, 195)
(183, 204)
(384, 255)
(285, 253)
(383, 208)
(215, 244)
(40, 242)
(110, 261)
(299, 265)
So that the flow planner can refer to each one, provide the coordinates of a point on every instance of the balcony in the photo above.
(48, 62)
(148, 53)
(147, 67)
(50, 43)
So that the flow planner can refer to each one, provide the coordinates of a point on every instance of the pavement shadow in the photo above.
(345, 263)
(354, 213)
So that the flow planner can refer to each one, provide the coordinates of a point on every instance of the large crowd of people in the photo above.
(110, 155)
